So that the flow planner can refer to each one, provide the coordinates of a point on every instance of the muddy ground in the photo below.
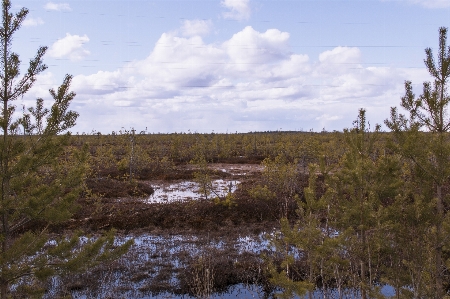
(172, 264)
(189, 246)
(127, 206)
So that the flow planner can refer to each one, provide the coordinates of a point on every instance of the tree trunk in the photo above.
(438, 244)
(3, 289)
(311, 274)
(363, 266)
(363, 287)
(363, 247)
(5, 159)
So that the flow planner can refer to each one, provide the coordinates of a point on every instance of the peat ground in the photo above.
(124, 205)
(184, 247)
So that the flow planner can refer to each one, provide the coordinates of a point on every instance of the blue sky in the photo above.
(230, 65)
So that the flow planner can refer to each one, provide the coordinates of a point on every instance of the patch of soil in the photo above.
(253, 159)
(111, 188)
(240, 170)
(180, 172)
(131, 213)
(121, 205)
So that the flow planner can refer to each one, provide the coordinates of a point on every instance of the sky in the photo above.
(229, 65)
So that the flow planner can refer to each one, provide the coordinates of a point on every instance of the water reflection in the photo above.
(188, 190)
(161, 266)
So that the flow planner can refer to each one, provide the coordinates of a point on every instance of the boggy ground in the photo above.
(189, 247)
(123, 205)
(175, 263)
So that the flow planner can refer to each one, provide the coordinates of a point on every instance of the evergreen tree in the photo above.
(312, 239)
(364, 185)
(40, 176)
(281, 178)
(429, 151)
(340, 234)
(406, 224)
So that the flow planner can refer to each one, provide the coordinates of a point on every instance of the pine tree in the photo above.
(406, 224)
(281, 177)
(366, 179)
(40, 176)
(429, 151)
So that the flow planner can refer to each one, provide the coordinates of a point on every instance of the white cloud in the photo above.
(32, 22)
(43, 83)
(57, 6)
(341, 55)
(251, 46)
(122, 103)
(182, 61)
(433, 3)
(70, 46)
(338, 60)
(101, 82)
(428, 3)
(249, 82)
(237, 9)
(196, 27)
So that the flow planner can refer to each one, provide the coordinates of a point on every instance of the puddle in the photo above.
(238, 169)
(167, 192)
(151, 255)
(189, 190)
(192, 243)
(137, 274)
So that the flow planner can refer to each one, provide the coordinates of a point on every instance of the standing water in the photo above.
(189, 190)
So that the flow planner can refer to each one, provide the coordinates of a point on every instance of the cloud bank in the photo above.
(252, 81)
